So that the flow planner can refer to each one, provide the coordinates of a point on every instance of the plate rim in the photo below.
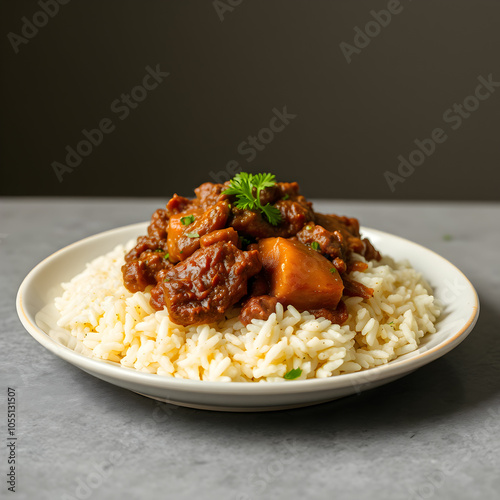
(355, 379)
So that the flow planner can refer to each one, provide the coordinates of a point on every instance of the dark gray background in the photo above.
(353, 120)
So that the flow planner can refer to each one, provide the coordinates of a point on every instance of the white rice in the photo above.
(113, 324)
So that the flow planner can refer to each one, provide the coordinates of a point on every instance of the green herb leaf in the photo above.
(245, 241)
(166, 256)
(189, 219)
(293, 374)
(167, 279)
(242, 185)
(192, 235)
(272, 213)
(286, 196)
(315, 245)
(333, 270)
(159, 250)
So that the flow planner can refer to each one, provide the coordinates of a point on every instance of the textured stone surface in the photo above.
(432, 434)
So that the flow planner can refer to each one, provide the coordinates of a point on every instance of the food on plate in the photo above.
(251, 237)
(246, 282)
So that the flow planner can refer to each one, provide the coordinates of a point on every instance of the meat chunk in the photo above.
(350, 239)
(370, 252)
(228, 234)
(299, 275)
(136, 276)
(269, 195)
(288, 189)
(251, 223)
(178, 204)
(348, 226)
(294, 215)
(159, 225)
(258, 285)
(209, 194)
(260, 307)
(203, 287)
(338, 315)
(184, 235)
(145, 243)
(330, 244)
(141, 272)
(356, 289)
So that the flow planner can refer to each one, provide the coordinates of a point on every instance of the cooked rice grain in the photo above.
(113, 324)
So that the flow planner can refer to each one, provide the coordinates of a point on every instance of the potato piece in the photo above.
(299, 275)
(176, 230)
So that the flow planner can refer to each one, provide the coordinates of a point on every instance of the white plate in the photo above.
(42, 285)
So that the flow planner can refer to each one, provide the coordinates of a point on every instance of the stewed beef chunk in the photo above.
(260, 307)
(209, 194)
(337, 316)
(251, 223)
(203, 287)
(330, 244)
(140, 272)
(145, 243)
(159, 224)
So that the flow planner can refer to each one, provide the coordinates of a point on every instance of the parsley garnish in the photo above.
(333, 270)
(166, 256)
(315, 245)
(189, 219)
(293, 374)
(286, 196)
(159, 250)
(243, 184)
(245, 241)
(167, 279)
(192, 235)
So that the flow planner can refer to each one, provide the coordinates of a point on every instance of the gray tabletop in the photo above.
(432, 434)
